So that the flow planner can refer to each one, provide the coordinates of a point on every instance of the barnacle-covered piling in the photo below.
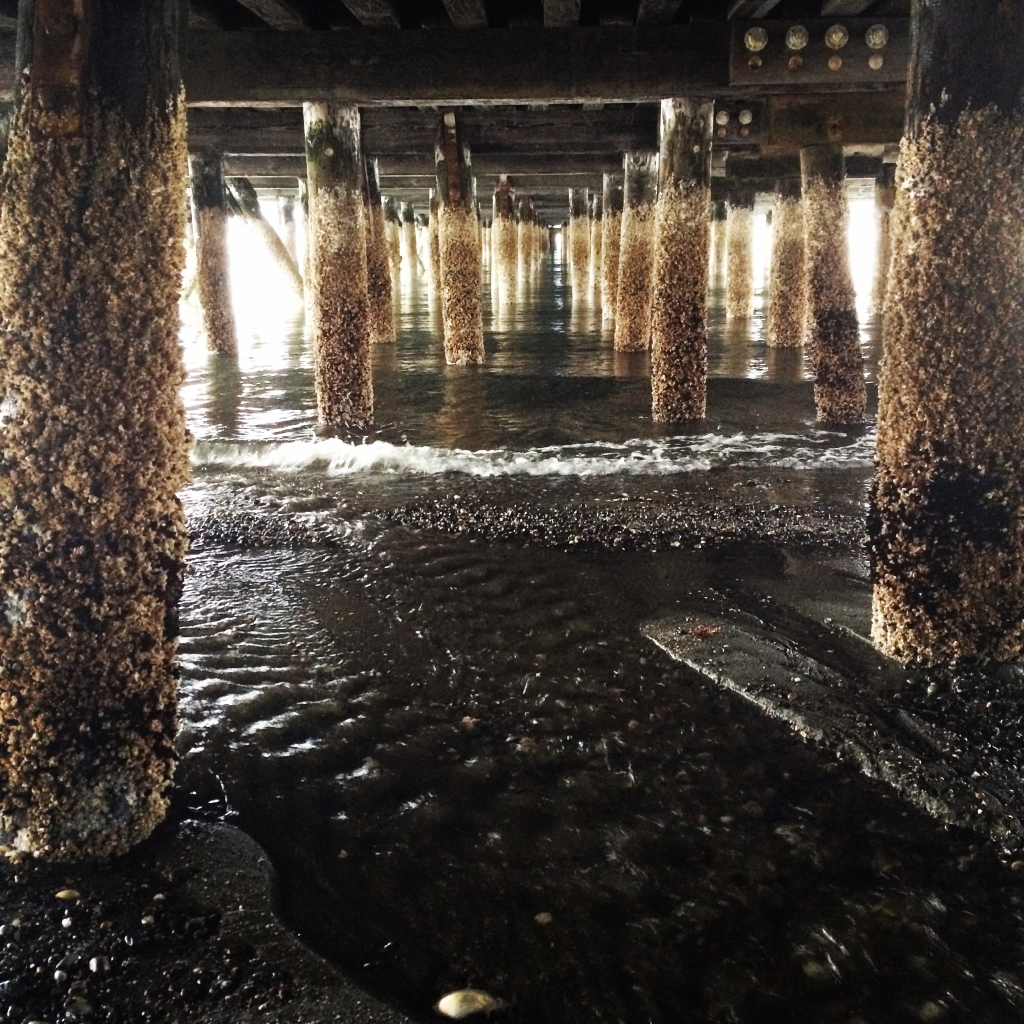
(946, 528)
(596, 243)
(611, 237)
(410, 258)
(720, 237)
(287, 214)
(381, 311)
(210, 223)
(579, 242)
(249, 203)
(787, 281)
(506, 240)
(839, 392)
(393, 237)
(885, 199)
(527, 239)
(340, 305)
(433, 245)
(92, 537)
(459, 242)
(682, 242)
(636, 253)
(739, 275)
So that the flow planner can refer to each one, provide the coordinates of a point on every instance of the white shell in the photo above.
(467, 1001)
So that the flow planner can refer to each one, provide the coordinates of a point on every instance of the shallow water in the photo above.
(439, 737)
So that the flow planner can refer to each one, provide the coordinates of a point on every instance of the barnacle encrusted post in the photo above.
(434, 246)
(506, 239)
(459, 240)
(636, 253)
(579, 242)
(94, 439)
(839, 392)
(682, 244)
(210, 223)
(885, 200)
(287, 211)
(946, 528)
(340, 306)
(410, 259)
(739, 274)
(393, 235)
(527, 239)
(720, 234)
(249, 203)
(378, 275)
(787, 280)
(611, 237)
(596, 243)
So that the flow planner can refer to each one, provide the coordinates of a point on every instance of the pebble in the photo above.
(466, 1002)
(931, 1012)
(60, 977)
(66, 923)
(98, 964)
(148, 919)
(1017, 865)
(68, 894)
(543, 917)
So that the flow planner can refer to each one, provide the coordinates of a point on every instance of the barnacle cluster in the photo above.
(633, 300)
(461, 313)
(739, 276)
(787, 287)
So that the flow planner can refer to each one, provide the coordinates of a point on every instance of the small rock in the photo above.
(60, 977)
(469, 723)
(148, 919)
(932, 1012)
(67, 894)
(467, 1001)
(543, 917)
(1017, 865)
(159, 898)
(99, 964)
(80, 1007)
(66, 923)
(815, 971)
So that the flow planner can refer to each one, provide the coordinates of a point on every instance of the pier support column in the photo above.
(92, 537)
(839, 392)
(340, 306)
(459, 239)
(787, 282)
(946, 529)
(210, 223)
(393, 236)
(596, 243)
(885, 200)
(410, 258)
(739, 274)
(288, 228)
(719, 240)
(527, 239)
(249, 203)
(381, 310)
(579, 242)
(506, 241)
(682, 247)
(636, 253)
(611, 232)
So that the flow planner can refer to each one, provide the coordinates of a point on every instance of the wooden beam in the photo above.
(466, 13)
(279, 14)
(496, 66)
(751, 8)
(844, 8)
(852, 119)
(656, 12)
(374, 13)
(561, 13)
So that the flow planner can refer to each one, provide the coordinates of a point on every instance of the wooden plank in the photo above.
(844, 8)
(750, 8)
(374, 13)
(392, 130)
(656, 12)
(498, 66)
(852, 119)
(561, 13)
(279, 14)
(466, 13)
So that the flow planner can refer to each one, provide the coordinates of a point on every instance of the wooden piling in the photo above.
(249, 205)
(636, 253)
(720, 233)
(527, 247)
(459, 243)
(611, 232)
(393, 236)
(506, 241)
(839, 392)
(340, 304)
(433, 244)
(679, 346)
(945, 528)
(410, 258)
(287, 214)
(885, 200)
(210, 222)
(95, 445)
(579, 242)
(739, 281)
(787, 283)
(596, 243)
(378, 275)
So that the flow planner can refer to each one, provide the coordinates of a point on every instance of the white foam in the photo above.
(643, 456)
